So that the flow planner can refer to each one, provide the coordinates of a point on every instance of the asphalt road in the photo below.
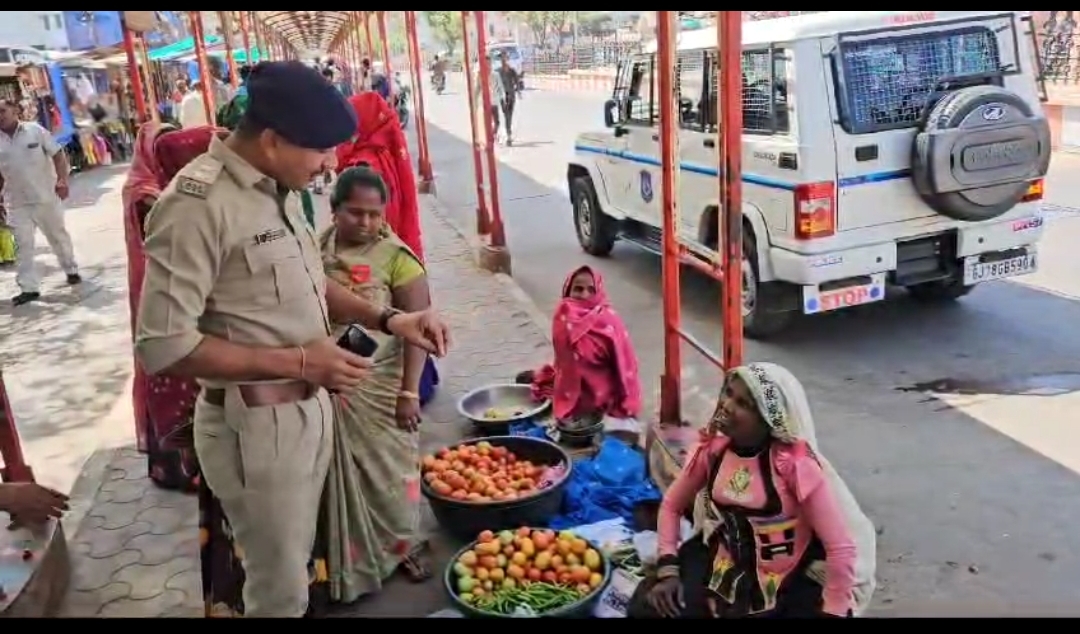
(974, 491)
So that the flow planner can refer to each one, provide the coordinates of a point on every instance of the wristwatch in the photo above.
(387, 314)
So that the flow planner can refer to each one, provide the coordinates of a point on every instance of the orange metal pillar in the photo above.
(483, 223)
(498, 232)
(380, 21)
(427, 178)
(729, 57)
(670, 382)
(151, 90)
(367, 37)
(205, 78)
(15, 468)
(134, 75)
(225, 18)
(245, 36)
(260, 39)
(355, 55)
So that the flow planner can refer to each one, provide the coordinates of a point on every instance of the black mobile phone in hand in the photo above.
(357, 341)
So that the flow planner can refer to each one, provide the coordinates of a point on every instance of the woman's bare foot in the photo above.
(415, 565)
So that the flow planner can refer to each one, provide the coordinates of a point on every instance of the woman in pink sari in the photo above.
(595, 371)
(163, 405)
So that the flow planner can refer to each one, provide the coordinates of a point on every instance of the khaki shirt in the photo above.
(228, 254)
(26, 163)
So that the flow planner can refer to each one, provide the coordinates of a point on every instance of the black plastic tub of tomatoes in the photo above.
(527, 573)
(495, 483)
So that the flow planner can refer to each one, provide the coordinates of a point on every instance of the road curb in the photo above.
(518, 294)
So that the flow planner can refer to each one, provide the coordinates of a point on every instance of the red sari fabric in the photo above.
(381, 144)
(138, 194)
(595, 369)
(162, 404)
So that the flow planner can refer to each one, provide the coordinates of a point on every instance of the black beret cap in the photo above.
(299, 104)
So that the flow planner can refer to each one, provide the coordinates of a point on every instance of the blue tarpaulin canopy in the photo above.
(180, 48)
(186, 48)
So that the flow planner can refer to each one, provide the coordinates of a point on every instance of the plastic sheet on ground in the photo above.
(609, 485)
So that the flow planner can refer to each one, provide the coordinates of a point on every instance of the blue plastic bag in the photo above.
(608, 485)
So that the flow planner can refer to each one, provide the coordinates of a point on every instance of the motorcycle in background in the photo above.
(401, 99)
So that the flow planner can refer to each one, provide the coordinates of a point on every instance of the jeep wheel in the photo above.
(595, 229)
(939, 291)
(760, 321)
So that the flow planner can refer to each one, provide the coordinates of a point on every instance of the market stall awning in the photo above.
(180, 48)
(305, 30)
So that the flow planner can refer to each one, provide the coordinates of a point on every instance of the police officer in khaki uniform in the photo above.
(235, 296)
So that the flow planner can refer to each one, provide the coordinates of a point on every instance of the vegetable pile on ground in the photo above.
(527, 572)
(485, 473)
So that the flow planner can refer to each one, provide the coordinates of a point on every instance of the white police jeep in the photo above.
(879, 148)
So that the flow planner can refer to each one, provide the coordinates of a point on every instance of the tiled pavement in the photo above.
(135, 553)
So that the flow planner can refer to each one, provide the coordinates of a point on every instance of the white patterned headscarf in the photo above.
(783, 405)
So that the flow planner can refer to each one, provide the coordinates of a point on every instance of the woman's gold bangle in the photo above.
(409, 395)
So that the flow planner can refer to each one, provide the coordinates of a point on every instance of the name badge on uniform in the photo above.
(33, 146)
(192, 187)
(360, 273)
(270, 235)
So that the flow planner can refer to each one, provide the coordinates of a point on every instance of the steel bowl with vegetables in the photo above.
(528, 573)
(493, 408)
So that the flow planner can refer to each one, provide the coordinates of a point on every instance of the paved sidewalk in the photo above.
(135, 554)
(66, 359)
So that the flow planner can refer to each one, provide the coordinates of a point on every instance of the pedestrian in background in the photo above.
(34, 182)
(193, 108)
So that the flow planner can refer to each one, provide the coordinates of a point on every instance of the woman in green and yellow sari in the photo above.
(371, 510)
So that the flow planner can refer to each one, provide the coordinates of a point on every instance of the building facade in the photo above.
(33, 29)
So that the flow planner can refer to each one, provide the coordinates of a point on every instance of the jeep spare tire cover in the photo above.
(977, 152)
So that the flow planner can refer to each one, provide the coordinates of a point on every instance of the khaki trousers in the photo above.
(268, 465)
(25, 222)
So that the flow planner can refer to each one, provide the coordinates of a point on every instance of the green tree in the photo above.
(539, 22)
(595, 23)
(446, 27)
(395, 33)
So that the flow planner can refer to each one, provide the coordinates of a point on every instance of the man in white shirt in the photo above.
(34, 181)
(193, 108)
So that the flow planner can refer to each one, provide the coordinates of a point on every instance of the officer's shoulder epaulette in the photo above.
(197, 176)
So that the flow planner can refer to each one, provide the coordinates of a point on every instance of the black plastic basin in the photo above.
(466, 520)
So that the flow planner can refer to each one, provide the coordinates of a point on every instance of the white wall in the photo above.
(44, 29)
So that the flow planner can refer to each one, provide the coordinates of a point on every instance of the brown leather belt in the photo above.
(264, 394)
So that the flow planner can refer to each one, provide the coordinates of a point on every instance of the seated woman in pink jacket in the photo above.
(779, 534)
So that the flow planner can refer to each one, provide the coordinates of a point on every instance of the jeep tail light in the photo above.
(1034, 192)
(815, 210)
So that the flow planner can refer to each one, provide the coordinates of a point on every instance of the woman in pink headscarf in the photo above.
(595, 371)
(163, 405)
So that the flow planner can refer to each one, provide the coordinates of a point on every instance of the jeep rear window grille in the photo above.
(887, 82)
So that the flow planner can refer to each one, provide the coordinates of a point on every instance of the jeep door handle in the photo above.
(709, 143)
(656, 137)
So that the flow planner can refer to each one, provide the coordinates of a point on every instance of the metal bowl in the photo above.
(507, 396)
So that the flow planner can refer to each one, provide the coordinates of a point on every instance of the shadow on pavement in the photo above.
(92, 185)
(67, 357)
